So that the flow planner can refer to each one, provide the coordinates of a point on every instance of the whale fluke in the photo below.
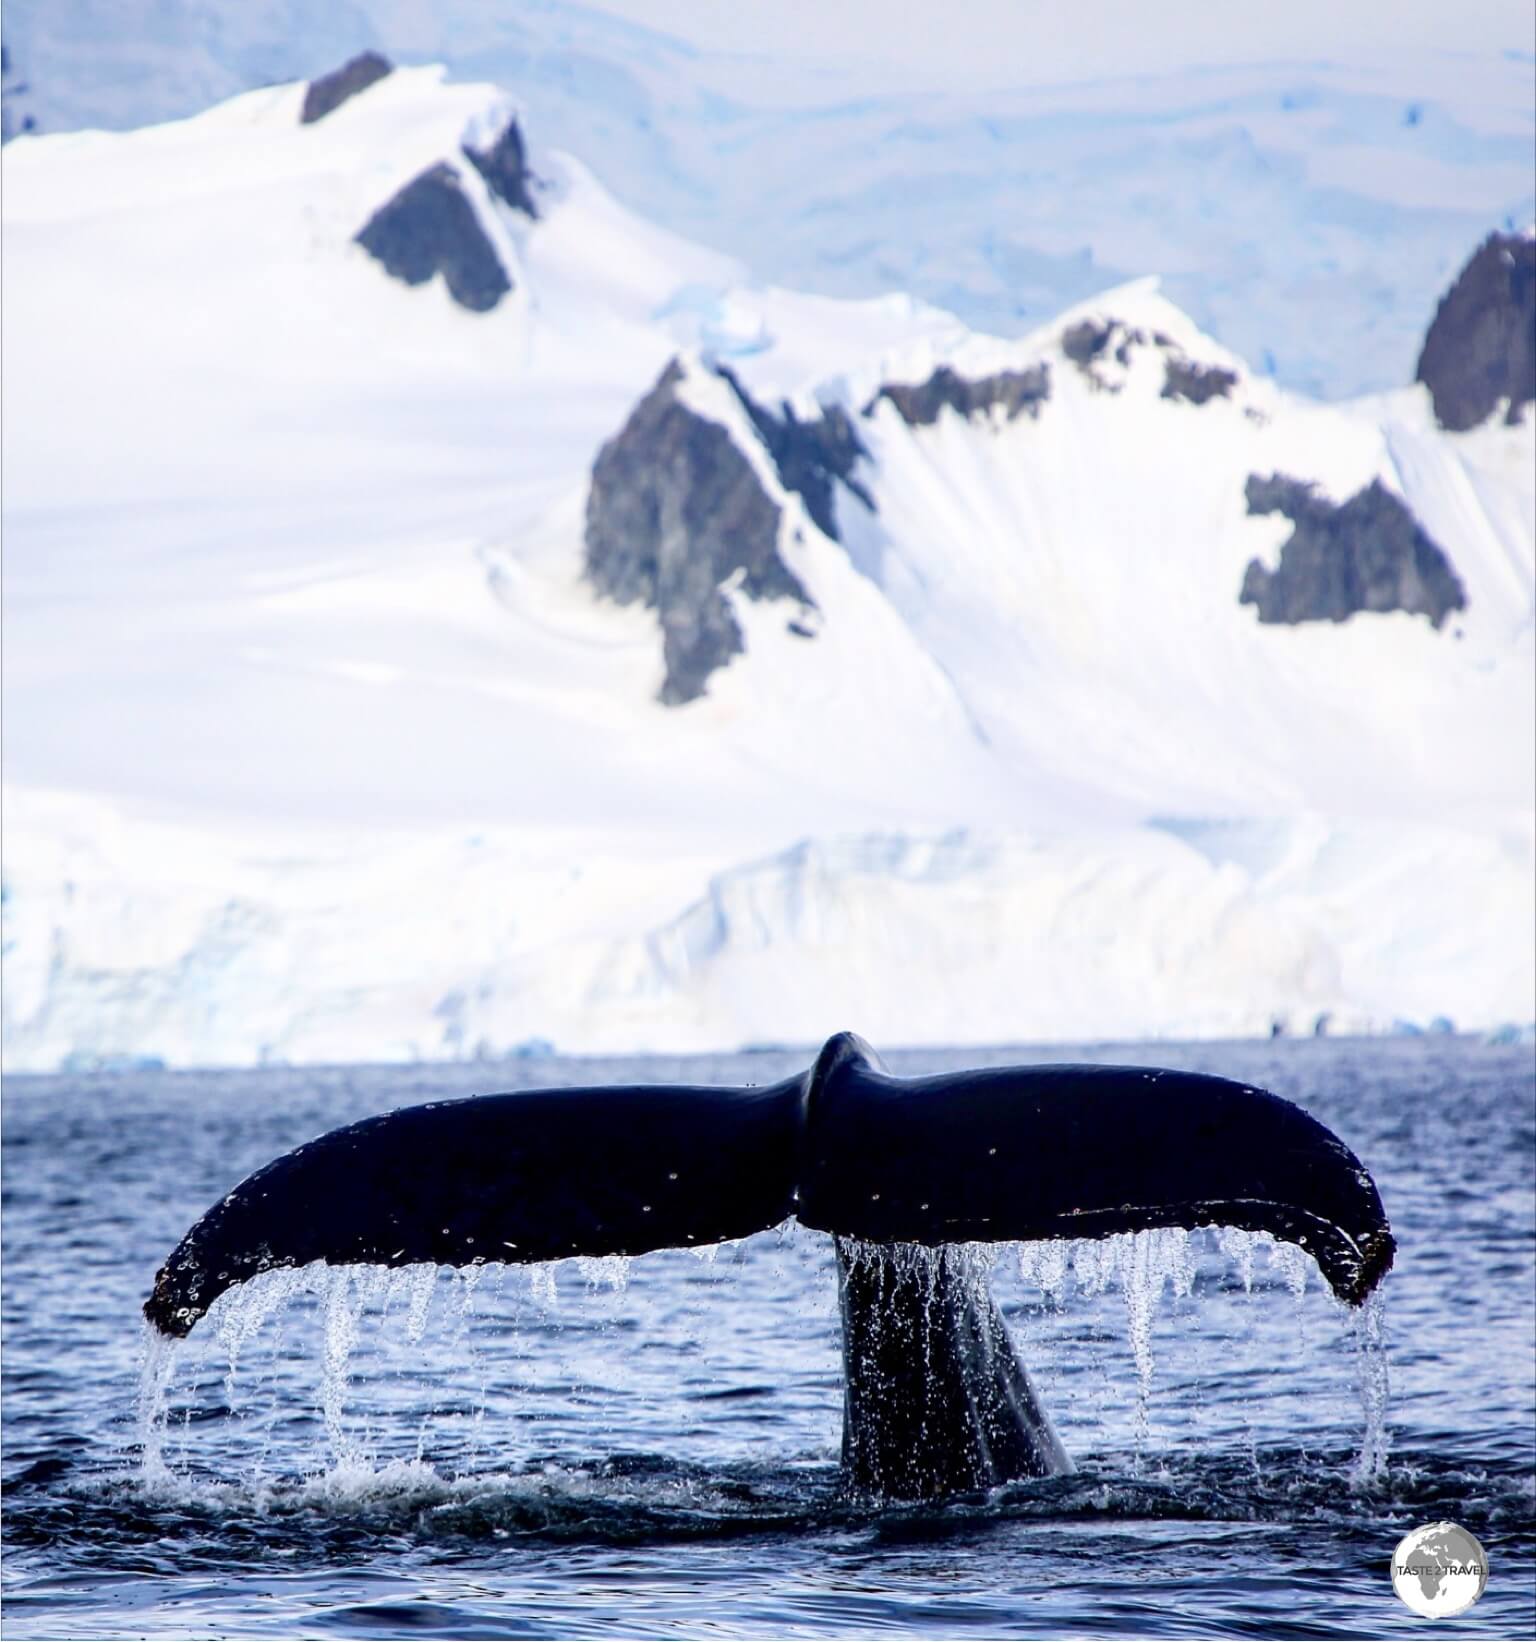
(535, 1175)
(1039, 1152)
(901, 1170)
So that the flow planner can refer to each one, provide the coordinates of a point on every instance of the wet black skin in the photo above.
(901, 1170)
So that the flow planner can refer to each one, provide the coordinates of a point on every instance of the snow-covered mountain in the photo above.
(447, 613)
(1305, 206)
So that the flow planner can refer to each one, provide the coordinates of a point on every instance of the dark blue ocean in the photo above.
(649, 1449)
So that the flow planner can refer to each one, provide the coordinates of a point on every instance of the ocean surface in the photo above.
(649, 1448)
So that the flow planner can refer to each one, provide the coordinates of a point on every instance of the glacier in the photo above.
(321, 745)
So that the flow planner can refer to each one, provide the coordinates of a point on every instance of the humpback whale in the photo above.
(905, 1173)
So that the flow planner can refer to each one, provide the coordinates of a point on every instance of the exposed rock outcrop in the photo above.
(1368, 553)
(675, 510)
(1091, 344)
(811, 457)
(1194, 383)
(327, 94)
(430, 227)
(1089, 341)
(504, 166)
(1085, 341)
(919, 403)
(1480, 349)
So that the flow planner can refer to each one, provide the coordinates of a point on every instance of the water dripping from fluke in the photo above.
(1103, 1171)
(1369, 1325)
(1144, 1265)
(156, 1370)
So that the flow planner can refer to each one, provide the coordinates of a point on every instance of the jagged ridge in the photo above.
(1013, 392)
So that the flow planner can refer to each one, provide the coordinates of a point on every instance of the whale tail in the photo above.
(886, 1164)
(1037, 1152)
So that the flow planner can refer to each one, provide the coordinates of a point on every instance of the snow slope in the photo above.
(1306, 208)
(319, 746)
(1089, 560)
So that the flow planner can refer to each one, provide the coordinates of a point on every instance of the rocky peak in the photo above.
(504, 167)
(1091, 344)
(327, 94)
(1480, 350)
(1089, 341)
(430, 227)
(1366, 554)
(675, 511)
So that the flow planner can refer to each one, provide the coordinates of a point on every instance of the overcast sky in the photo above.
(1086, 39)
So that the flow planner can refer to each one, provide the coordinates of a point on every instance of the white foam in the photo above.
(356, 1481)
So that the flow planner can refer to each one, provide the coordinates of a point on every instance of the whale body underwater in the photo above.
(903, 1172)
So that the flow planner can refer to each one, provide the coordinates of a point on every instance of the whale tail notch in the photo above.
(998, 1154)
